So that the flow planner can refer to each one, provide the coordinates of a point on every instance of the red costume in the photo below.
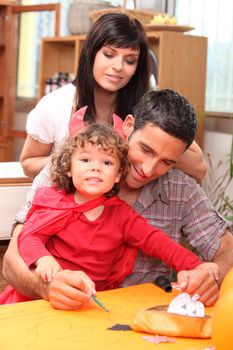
(105, 249)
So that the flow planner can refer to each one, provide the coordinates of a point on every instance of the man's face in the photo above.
(152, 152)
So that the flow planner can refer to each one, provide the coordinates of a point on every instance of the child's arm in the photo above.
(47, 267)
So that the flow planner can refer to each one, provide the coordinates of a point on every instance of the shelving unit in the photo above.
(8, 56)
(181, 57)
(9, 18)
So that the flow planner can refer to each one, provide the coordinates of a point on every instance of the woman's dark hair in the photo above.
(119, 30)
(95, 134)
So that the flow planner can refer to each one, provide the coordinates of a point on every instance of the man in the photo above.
(161, 128)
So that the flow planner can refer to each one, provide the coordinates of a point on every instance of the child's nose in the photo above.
(96, 166)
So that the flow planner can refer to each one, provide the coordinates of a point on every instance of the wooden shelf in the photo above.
(9, 18)
(181, 57)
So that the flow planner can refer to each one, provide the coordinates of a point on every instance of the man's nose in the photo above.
(149, 168)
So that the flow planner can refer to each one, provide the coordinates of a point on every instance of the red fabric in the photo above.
(105, 248)
(76, 123)
(9, 296)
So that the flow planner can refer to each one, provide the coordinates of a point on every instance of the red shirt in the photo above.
(105, 248)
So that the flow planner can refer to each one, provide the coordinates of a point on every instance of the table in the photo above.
(12, 173)
(36, 326)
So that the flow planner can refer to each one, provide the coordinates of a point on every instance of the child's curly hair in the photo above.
(95, 134)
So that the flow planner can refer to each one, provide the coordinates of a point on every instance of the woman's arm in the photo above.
(69, 290)
(192, 162)
(34, 156)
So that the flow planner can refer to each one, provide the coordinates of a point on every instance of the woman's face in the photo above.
(114, 67)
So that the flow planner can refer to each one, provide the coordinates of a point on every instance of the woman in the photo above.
(112, 75)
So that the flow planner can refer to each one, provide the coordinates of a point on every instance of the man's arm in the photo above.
(69, 290)
(224, 255)
(16, 272)
(201, 281)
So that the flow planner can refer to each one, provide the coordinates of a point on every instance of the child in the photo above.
(80, 224)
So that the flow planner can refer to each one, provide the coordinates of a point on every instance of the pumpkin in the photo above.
(222, 321)
(227, 282)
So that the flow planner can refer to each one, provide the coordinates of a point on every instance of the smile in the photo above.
(93, 180)
(136, 174)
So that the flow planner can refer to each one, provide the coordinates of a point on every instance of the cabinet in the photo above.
(8, 47)
(9, 18)
(181, 58)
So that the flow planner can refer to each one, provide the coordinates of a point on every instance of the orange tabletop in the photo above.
(36, 326)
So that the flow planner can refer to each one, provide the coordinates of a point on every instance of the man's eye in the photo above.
(145, 150)
(167, 163)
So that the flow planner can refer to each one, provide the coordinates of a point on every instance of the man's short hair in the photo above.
(169, 111)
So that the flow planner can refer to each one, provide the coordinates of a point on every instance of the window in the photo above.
(213, 18)
(34, 26)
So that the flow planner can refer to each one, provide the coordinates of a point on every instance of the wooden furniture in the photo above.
(8, 52)
(13, 189)
(36, 325)
(181, 57)
(9, 18)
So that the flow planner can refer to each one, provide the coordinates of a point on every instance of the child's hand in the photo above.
(201, 281)
(46, 268)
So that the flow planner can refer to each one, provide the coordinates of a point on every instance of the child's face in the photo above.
(94, 171)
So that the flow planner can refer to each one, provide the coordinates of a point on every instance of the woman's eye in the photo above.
(85, 160)
(131, 61)
(108, 54)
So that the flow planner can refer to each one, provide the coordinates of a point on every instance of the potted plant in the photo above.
(216, 184)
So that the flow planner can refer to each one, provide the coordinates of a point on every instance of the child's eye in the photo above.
(108, 162)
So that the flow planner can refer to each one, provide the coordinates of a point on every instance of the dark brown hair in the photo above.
(121, 31)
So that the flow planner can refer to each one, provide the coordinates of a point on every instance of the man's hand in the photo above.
(199, 281)
(69, 290)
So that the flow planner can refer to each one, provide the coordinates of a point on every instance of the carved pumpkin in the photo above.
(222, 321)
(227, 283)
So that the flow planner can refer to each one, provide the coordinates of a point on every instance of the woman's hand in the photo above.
(192, 162)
